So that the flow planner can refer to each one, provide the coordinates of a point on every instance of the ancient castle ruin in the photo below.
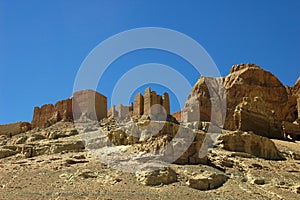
(89, 103)
(255, 101)
(151, 104)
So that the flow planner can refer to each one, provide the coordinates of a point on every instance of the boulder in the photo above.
(207, 180)
(155, 174)
(201, 177)
(67, 146)
(62, 133)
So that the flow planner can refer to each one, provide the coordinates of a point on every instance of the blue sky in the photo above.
(43, 43)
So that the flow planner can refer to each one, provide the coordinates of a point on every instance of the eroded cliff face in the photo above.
(276, 104)
(249, 80)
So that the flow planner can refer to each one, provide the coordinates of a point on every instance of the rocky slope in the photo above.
(65, 163)
(140, 158)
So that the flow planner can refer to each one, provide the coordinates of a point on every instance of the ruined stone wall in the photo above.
(89, 103)
(93, 104)
(111, 113)
(138, 105)
(147, 101)
(123, 111)
(166, 103)
(49, 113)
(64, 109)
(143, 105)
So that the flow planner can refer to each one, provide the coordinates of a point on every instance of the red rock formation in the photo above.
(178, 115)
(249, 80)
(244, 80)
(49, 114)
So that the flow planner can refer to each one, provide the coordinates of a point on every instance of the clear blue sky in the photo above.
(43, 43)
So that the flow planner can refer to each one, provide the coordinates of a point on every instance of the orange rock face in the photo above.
(178, 115)
(49, 113)
(249, 80)
(245, 80)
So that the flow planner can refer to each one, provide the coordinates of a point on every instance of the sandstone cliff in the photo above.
(276, 103)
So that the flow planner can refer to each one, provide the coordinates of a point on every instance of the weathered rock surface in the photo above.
(62, 133)
(207, 181)
(155, 174)
(296, 88)
(292, 130)
(6, 152)
(254, 115)
(14, 128)
(200, 177)
(250, 143)
(244, 80)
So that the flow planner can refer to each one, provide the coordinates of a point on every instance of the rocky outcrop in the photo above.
(178, 115)
(207, 181)
(200, 177)
(291, 130)
(14, 128)
(251, 81)
(6, 152)
(254, 115)
(154, 174)
(296, 88)
(244, 80)
(249, 143)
